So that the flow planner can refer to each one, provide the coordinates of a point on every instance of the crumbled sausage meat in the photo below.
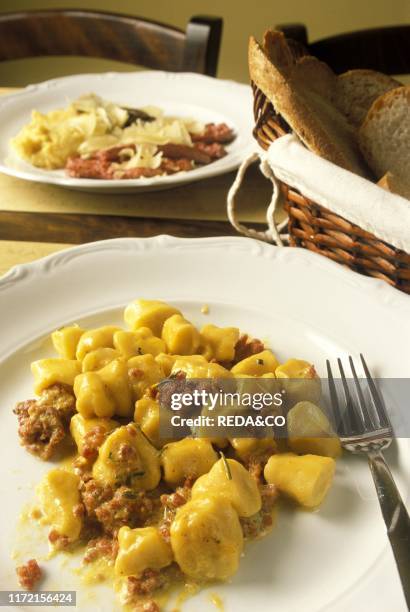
(255, 469)
(207, 147)
(214, 150)
(29, 574)
(61, 397)
(215, 132)
(92, 442)
(43, 423)
(79, 510)
(261, 522)
(180, 496)
(58, 541)
(149, 581)
(171, 166)
(94, 495)
(146, 606)
(94, 168)
(125, 452)
(127, 507)
(171, 502)
(97, 167)
(246, 347)
(269, 494)
(101, 547)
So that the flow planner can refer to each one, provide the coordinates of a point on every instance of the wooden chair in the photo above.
(384, 49)
(112, 36)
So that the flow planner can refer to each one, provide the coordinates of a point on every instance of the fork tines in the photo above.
(356, 416)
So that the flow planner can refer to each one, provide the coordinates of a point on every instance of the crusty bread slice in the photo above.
(311, 72)
(385, 135)
(278, 51)
(301, 92)
(356, 90)
(392, 183)
(315, 75)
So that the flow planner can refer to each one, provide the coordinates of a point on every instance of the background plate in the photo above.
(306, 306)
(185, 94)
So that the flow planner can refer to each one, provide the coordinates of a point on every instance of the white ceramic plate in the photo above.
(337, 559)
(182, 94)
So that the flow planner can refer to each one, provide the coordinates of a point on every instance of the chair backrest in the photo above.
(384, 49)
(112, 36)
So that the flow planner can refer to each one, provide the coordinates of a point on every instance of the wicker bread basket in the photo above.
(313, 227)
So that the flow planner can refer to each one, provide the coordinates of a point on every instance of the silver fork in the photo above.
(364, 427)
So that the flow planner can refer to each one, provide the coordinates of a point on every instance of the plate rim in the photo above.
(255, 247)
(53, 263)
(20, 274)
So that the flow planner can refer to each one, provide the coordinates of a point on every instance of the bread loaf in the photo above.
(356, 90)
(384, 136)
(302, 92)
(392, 183)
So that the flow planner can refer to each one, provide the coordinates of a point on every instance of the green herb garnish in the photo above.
(129, 495)
(226, 466)
(131, 475)
(144, 434)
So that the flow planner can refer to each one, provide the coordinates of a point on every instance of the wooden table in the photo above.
(37, 219)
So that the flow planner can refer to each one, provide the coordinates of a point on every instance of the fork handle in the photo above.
(395, 516)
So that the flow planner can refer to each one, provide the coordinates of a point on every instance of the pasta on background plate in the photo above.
(95, 138)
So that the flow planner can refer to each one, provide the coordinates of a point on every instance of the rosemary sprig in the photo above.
(129, 495)
(226, 466)
(142, 433)
(129, 478)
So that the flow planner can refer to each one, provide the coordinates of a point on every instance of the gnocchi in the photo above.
(146, 415)
(105, 392)
(98, 359)
(197, 366)
(230, 480)
(221, 342)
(189, 457)
(126, 457)
(248, 447)
(300, 381)
(309, 431)
(264, 362)
(65, 340)
(102, 337)
(158, 508)
(166, 362)
(59, 496)
(306, 478)
(139, 342)
(48, 372)
(180, 336)
(80, 427)
(140, 549)
(149, 313)
(207, 539)
(143, 373)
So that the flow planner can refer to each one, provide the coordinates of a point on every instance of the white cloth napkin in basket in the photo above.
(361, 202)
